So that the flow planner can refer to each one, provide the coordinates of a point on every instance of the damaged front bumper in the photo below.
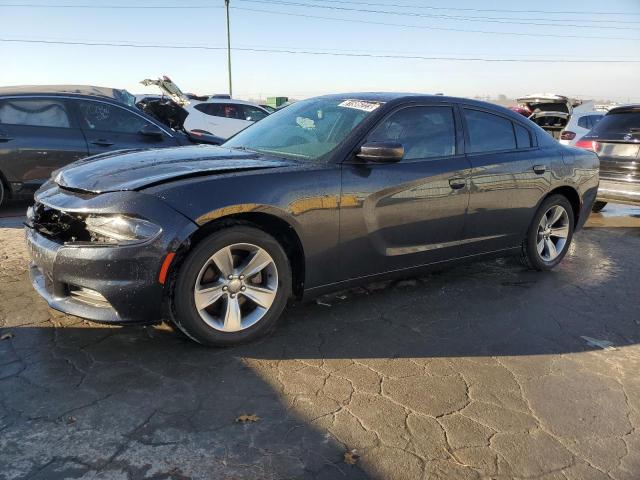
(104, 283)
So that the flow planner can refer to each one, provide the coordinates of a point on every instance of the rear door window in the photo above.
(107, 117)
(214, 109)
(226, 110)
(252, 113)
(488, 132)
(35, 113)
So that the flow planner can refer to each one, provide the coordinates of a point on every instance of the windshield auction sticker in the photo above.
(360, 105)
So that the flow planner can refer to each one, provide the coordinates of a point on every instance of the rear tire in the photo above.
(598, 206)
(2, 193)
(232, 287)
(550, 234)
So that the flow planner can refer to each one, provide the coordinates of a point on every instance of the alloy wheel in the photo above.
(236, 287)
(553, 232)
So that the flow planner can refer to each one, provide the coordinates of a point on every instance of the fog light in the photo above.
(88, 296)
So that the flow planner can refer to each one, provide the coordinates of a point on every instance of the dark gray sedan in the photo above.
(327, 193)
(43, 128)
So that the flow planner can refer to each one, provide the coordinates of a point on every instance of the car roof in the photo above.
(635, 107)
(230, 100)
(82, 90)
(400, 97)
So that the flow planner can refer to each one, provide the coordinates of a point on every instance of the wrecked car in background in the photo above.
(549, 111)
(219, 116)
(43, 128)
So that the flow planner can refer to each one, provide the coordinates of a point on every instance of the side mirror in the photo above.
(152, 131)
(381, 152)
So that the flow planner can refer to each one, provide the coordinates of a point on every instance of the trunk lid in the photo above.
(138, 169)
(617, 138)
(549, 111)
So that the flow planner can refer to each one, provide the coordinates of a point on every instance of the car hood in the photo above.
(138, 169)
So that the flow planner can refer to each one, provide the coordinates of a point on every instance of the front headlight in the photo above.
(120, 229)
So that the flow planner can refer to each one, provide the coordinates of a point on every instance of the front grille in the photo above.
(58, 226)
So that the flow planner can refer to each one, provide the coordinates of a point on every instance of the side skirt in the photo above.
(408, 272)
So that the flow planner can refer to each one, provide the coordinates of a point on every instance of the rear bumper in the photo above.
(619, 192)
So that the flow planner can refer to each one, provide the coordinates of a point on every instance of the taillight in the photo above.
(567, 135)
(587, 144)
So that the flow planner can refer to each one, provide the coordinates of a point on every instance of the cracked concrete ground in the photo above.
(478, 372)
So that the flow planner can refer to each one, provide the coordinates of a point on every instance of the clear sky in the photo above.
(278, 25)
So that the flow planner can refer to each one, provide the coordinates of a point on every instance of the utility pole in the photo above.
(226, 4)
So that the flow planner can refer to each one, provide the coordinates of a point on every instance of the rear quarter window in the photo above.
(589, 121)
(523, 137)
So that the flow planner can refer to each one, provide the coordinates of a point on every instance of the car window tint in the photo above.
(595, 119)
(589, 121)
(232, 110)
(214, 109)
(424, 132)
(110, 118)
(617, 124)
(252, 113)
(226, 110)
(36, 113)
(488, 132)
(523, 138)
(584, 122)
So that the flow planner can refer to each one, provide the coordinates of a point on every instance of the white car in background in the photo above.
(583, 119)
(579, 124)
(220, 117)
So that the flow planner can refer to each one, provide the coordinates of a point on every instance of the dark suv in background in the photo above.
(616, 140)
(43, 128)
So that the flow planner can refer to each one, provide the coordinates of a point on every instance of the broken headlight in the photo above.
(120, 229)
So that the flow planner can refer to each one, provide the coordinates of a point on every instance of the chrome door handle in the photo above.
(539, 169)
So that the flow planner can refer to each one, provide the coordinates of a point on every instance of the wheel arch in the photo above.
(279, 228)
(572, 195)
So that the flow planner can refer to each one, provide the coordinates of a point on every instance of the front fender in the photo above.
(305, 197)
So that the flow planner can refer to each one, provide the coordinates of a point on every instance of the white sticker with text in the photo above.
(360, 105)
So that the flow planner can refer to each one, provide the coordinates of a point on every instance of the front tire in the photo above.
(232, 288)
(598, 206)
(2, 193)
(550, 234)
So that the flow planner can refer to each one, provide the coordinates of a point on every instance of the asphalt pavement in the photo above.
(484, 371)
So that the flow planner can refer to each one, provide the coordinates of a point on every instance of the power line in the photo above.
(106, 7)
(428, 27)
(502, 20)
(371, 22)
(483, 10)
(373, 4)
(312, 52)
(507, 20)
